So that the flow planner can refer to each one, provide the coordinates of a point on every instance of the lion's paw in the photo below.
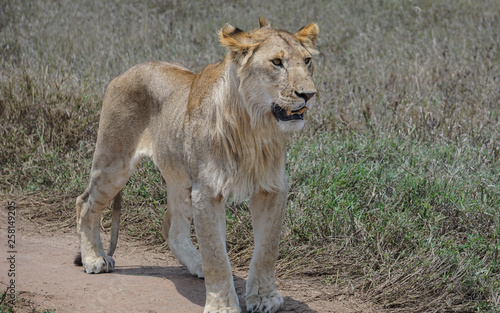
(219, 304)
(221, 310)
(268, 303)
(96, 265)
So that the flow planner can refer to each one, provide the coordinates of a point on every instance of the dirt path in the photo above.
(144, 280)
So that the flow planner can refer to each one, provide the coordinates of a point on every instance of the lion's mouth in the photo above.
(288, 114)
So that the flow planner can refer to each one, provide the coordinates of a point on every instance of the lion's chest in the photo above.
(240, 171)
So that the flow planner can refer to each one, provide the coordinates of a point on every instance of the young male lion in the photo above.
(214, 134)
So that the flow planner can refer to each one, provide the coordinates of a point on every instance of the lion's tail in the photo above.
(115, 225)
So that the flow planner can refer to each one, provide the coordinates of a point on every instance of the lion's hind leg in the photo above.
(108, 176)
(177, 230)
(115, 224)
(93, 257)
(123, 139)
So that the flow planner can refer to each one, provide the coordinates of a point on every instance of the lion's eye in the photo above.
(307, 61)
(277, 62)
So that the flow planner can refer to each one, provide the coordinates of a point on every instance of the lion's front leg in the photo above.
(210, 224)
(267, 216)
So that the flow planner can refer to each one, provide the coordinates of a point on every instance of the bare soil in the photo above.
(145, 280)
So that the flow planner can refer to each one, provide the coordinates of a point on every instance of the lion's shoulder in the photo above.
(204, 83)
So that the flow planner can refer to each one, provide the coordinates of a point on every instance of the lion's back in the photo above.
(145, 90)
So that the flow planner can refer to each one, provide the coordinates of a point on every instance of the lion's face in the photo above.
(280, 72)
(275, 68)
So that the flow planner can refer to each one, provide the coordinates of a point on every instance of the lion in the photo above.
(214, 135)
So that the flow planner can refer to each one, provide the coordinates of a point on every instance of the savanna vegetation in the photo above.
(394, 182)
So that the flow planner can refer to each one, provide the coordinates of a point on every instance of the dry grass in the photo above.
(394, 183)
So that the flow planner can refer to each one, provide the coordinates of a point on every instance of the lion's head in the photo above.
(275, 69)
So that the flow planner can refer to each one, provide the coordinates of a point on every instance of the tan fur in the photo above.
(214, 135)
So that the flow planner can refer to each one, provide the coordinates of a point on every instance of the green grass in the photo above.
(4, 308)
(20, 305)
(394, 183)
(400, 207)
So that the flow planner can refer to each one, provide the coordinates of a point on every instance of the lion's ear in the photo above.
(235, 39)
(263, 22)
(308, 35)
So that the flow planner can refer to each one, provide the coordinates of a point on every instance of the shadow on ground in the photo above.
(193, 288)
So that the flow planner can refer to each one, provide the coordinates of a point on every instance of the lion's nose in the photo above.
(305, 95)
